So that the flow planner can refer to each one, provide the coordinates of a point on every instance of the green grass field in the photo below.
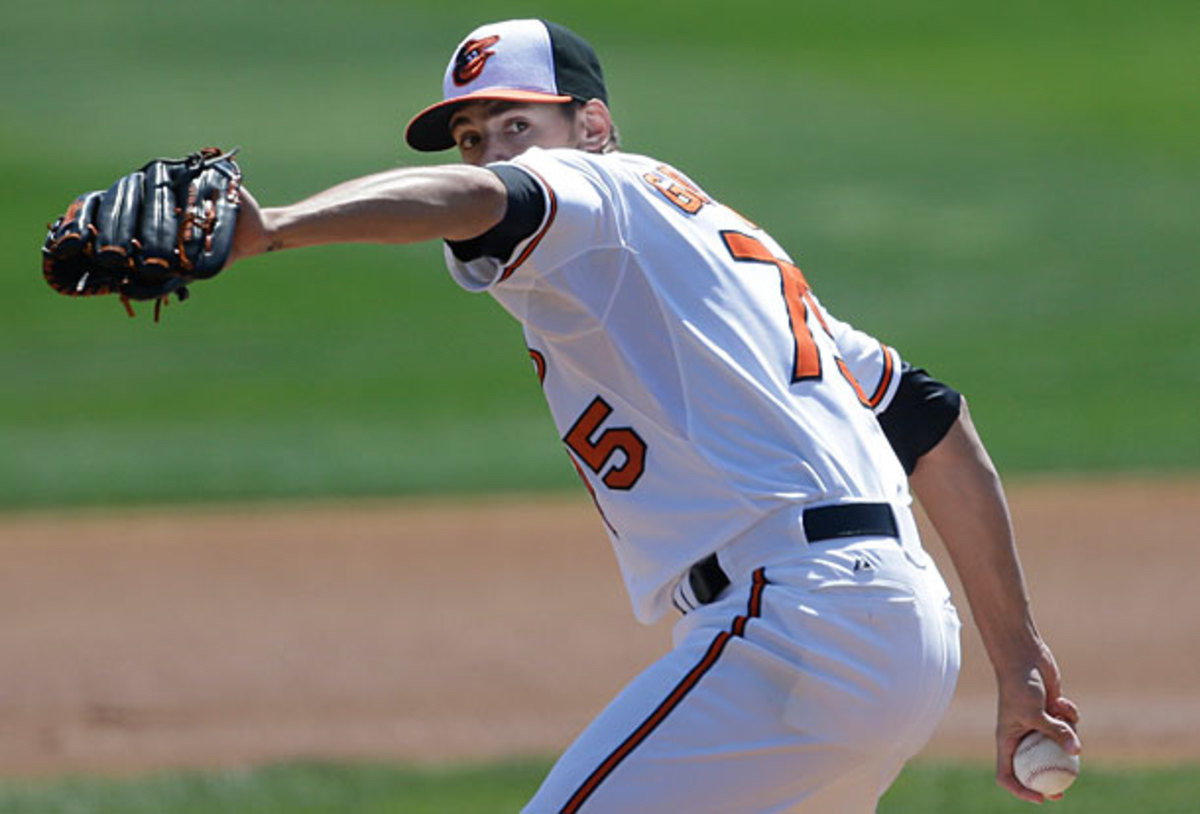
(1007, 194)
(504, 787)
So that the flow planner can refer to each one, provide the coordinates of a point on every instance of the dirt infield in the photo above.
(443, 630)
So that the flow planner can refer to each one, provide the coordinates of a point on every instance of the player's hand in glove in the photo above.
(150, 234)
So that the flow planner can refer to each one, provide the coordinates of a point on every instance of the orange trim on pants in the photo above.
(673, 700)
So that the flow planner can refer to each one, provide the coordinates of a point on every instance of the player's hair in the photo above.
(571, 110)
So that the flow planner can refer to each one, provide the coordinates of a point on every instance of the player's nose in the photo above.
(496, 153)
(495, 148)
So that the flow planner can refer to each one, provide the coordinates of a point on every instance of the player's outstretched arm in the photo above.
(961, 492)
(398, 206)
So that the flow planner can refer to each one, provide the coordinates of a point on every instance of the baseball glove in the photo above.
(150, 234)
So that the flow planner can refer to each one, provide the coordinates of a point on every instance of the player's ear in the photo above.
(595, 126)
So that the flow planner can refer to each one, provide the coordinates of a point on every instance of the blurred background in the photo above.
(1007, 193)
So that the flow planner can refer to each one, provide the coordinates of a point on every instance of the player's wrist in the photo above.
(255, 229)
(1012, 641)
(273, 234)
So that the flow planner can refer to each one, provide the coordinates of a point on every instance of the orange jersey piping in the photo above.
(533, 243)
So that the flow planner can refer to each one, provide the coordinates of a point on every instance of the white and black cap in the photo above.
(515, 60)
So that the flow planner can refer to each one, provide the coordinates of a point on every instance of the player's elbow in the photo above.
(478, 200)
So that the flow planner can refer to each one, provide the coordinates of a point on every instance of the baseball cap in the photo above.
(515, 60)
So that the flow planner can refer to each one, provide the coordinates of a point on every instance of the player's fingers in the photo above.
(1065, 709)
(1006, 747)
(1008, 781)
(1020, 792)
(1061, 731)
(1051, 677)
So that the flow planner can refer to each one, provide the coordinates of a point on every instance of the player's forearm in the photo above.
(398, 206)
(961, 492)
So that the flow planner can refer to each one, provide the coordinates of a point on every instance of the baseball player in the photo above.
(749, 454)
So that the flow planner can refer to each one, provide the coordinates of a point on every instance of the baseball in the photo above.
(1042, 765)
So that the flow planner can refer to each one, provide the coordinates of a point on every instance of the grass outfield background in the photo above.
(333, 789)
(1006, 192)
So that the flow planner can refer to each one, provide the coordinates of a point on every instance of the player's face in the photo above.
(498, 131)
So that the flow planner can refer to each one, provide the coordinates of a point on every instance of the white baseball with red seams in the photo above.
(1041, 764)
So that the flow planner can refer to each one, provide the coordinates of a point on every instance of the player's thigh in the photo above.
(691, 733)
(794, 703)
(877, 663)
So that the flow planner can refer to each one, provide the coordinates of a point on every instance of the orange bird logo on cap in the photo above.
(471, 58)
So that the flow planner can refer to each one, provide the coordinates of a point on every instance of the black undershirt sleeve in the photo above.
(919, 416)
(526, 209)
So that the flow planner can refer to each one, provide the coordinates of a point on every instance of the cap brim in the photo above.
(429, 130)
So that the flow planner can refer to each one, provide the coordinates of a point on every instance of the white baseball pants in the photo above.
(803, 688)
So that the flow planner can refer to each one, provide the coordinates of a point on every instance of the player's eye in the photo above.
(517, 126)
(468, 141)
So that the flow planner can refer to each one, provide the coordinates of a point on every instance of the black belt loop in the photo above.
(707, 579)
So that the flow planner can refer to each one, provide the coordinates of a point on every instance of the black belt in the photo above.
(708, 579)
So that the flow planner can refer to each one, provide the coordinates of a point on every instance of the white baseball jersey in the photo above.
(695, 378)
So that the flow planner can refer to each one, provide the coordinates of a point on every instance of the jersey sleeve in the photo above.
(523, 215)
(919, 415)
(874, 365)
(914, 409)
(560, 206)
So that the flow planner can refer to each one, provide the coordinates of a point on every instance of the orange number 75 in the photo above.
(807, 364)
(798, 297)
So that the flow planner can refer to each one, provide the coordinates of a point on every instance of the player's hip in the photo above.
(773, 696)
(863, 612)
(847, 544)
(860, 647)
